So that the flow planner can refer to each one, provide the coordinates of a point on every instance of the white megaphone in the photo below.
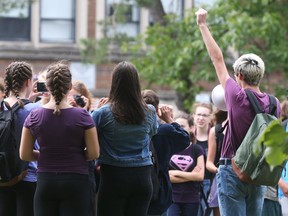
(218, 97)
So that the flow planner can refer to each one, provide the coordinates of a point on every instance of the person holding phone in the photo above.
(80, 96)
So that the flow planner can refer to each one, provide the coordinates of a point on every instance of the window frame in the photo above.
(129, 22)
(15, 35)
(73, 21)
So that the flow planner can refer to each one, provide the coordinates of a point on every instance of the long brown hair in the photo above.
(125, 97)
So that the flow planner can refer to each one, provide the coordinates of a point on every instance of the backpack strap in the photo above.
(254, 102)
(257, 108)
(219, 140)
(15, 106)
(273, 105)
(154, 157)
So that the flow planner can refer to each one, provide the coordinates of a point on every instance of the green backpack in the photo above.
(249, 167)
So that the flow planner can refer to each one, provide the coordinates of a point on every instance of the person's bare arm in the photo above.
(212, 148)
(197, 174)
(26, 151)
(212, 47)
(284, 187)
(92, 144)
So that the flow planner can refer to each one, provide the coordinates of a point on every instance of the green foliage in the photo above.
(275, 139)
(7, 5)
(145, 3)
(174, 55)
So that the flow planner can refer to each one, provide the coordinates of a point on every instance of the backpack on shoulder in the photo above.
(219, 135)
(249, 167)
(12, 168)
(154, 172)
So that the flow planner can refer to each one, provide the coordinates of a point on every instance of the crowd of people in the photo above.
(84, 161)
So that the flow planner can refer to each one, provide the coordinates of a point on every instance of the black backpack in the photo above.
(154, 172)
(219, 139)
(12, 168)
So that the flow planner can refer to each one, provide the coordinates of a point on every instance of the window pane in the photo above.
(130, 29)
(13, 29)
(61, 9)
(199, 3)
(173, 6)
(127, 21)
(57, 31)
(15, 23)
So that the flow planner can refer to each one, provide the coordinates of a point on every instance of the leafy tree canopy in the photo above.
(175, 54)
(7, 5)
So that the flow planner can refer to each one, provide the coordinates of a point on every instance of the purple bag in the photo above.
(213, 195)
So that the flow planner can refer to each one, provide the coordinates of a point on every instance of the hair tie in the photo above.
(253, 62)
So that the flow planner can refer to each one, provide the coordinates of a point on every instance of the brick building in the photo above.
(44, 31)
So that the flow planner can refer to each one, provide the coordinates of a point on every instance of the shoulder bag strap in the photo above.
(273, 105)
(254, 102)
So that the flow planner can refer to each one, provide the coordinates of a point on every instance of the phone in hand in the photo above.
(79, 100)
(41, 87)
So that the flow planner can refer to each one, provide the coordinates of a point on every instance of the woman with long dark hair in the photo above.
(125, 126)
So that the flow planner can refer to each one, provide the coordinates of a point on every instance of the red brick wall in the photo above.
(91, 18)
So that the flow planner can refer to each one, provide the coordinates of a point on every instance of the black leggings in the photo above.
(62, 195)
(124, 191)
(18, 199)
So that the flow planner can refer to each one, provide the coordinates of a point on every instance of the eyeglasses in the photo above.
(203, 115)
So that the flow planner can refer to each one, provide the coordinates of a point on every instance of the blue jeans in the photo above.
(183, 209)
(237, 197)
(271, 208)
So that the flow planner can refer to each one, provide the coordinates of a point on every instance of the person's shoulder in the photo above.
(165, 128)
(31, 106)
(104, 108)
(150, 109)
(77, 110)
(197, 147)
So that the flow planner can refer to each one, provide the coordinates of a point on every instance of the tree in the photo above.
(175, 55)
(7, 5)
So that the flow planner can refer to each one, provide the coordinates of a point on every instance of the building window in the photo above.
(171, 7)
(174, 6)
(15, 22)
(122, 18)
(201, 3)
(57, 21)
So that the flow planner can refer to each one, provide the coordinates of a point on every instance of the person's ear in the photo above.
(28, 82)
(240, 76)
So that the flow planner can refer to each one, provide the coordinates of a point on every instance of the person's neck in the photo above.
(12, 98)
(63, 104)
(202, 133)
(21, 95)
(254, 88)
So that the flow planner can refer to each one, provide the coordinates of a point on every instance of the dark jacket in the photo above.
(170, 139)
